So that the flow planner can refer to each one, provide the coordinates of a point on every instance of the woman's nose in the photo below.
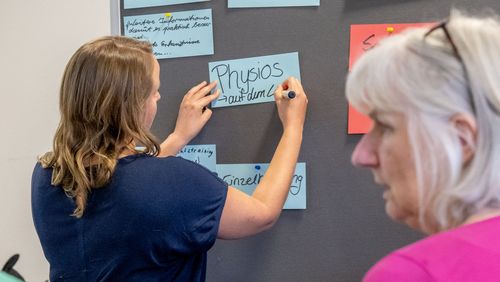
(364, 155)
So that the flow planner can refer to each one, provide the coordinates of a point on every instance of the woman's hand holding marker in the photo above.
(291, 101)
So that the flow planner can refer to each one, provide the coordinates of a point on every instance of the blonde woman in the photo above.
(106, 212)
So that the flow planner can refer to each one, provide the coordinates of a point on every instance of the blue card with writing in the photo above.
(270, 3)
(245, 177)
(173, 35)
(204, 155)
(252, 80)
(130, 4)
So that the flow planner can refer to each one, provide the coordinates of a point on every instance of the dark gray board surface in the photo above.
(344, 229)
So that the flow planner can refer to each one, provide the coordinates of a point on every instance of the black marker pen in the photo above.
(288, 94)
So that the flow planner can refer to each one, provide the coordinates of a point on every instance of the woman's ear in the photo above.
(466, 127)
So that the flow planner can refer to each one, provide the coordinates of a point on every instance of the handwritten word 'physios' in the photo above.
(241, 182)
(166, 24)
(242, 80)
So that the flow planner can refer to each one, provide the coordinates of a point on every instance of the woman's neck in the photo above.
(125, 151)
(480, 216)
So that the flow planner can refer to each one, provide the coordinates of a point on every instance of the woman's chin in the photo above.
(394, 212)
(402, 216)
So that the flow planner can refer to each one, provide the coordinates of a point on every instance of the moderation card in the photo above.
(363, 38)
(173, 35)
(245, 177)
(252, 80)
(130, 4)
(270, 3)
(204, 155)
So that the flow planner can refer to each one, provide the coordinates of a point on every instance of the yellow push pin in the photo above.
(390, 29)
(168, 15)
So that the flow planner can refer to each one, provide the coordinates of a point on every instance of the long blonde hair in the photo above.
(102, 95)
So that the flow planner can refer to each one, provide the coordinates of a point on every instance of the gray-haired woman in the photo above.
(434, 97)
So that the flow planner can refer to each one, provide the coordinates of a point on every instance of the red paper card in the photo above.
(363, 38)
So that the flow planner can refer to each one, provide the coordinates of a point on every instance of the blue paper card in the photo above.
(270, 3)
(130, 4)
(252, 80)
(245, 177)
(204, 155)
(173, 35)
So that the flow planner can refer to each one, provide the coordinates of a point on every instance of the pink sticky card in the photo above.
(363, 38)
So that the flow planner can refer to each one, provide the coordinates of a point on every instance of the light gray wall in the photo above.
(38, 37)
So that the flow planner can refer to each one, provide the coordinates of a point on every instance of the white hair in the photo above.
(421, 77)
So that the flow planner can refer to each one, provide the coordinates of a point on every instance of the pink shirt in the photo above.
(467, 253)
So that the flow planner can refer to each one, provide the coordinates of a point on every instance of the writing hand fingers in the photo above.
(295, 85)
(277, 92)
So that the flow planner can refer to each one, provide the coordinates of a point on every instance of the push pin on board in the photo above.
(168, 15)
(390, 29)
